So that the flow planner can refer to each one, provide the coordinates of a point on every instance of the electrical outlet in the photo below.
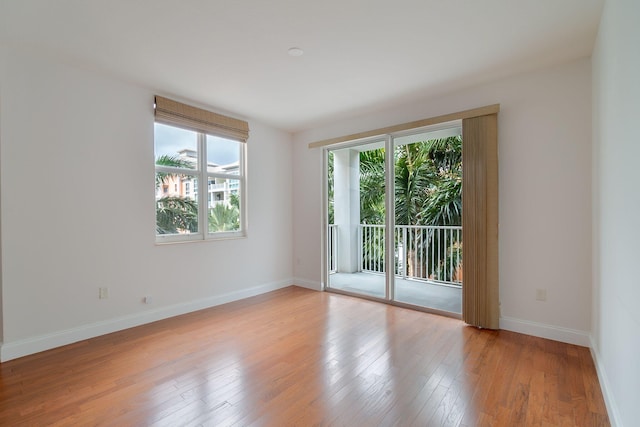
(541, 294)
(103, 293)
(148, 299)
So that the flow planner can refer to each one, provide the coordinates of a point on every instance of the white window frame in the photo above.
(203, 175)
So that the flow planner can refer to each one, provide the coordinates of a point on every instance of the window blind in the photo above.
(175, 113)
(480, 298)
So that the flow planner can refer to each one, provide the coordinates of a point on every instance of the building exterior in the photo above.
(219, 190)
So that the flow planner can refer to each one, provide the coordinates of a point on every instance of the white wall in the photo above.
(77, 178)
(1, 305)
(545, 194)
(616, 154)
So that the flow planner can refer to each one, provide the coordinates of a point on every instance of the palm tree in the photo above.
(330, 203)
(224, 217)
(174, 214)
(443, 204)
(412, 179)
(372, 186)
(428, 182)
(414, 175)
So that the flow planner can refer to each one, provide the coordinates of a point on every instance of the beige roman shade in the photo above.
(185, 116)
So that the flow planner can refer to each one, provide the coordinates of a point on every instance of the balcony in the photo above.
(218, 187)
(428, 265)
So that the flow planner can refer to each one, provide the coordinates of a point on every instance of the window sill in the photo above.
(198, 238)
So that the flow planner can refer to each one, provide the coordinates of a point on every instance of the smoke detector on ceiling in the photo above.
(295, 51)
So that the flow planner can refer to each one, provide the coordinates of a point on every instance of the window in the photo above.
(194, 145)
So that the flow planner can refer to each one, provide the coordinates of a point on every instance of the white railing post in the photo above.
(404, 252)
(332, 238)
(335, 246)
(360, 245)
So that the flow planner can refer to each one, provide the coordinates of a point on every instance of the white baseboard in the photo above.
(15, 349)
(316, 286)
(612, 408)
(556, 333)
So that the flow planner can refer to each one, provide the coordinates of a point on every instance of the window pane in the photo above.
(175, 147)
(224, 204)
(176, 204)
(223, 155)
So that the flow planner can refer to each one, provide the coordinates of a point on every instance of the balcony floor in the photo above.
(415, 292)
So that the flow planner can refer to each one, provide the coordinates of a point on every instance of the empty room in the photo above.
(340, 213)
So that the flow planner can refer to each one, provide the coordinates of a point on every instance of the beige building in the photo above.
(219, 189)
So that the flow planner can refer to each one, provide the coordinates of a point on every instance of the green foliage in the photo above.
(224, 218)
(414, 178)
(234, 201)
(170, 161)
(447, 270)
(330, 203)
(443, 204)
(372, 186)
(174, 214)
(428, 182)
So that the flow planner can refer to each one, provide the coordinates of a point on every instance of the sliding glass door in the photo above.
(356, 217)
(394, 212)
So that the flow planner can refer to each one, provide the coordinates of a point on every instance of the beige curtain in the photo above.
(175, 113)
(480, 297)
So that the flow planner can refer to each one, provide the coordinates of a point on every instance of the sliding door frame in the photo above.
(480, 292)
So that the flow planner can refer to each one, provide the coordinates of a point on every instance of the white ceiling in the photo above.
(360, 55)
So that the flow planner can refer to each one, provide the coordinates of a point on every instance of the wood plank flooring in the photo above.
(296, 357)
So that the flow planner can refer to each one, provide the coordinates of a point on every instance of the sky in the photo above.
(170, 140)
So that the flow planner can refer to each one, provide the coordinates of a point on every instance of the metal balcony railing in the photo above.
(430, 253)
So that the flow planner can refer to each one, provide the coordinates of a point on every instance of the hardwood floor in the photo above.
(299, 357)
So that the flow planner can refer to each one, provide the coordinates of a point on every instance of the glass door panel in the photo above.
(356, 219)
(428, 219)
